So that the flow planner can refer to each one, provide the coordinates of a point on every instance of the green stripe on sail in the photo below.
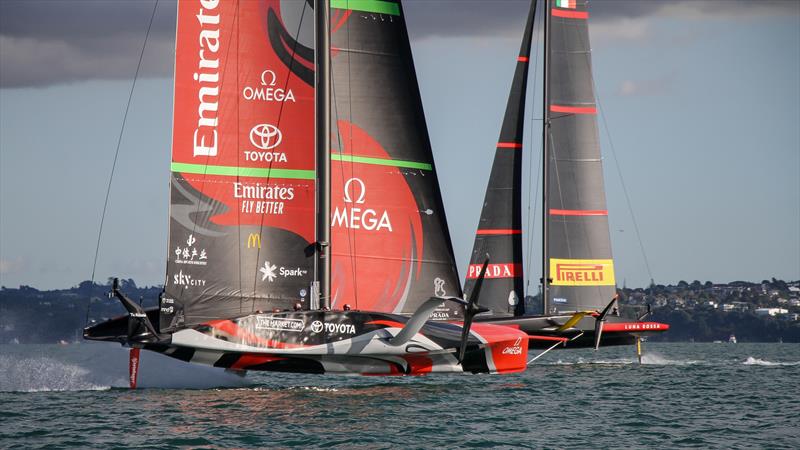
(233, 171)
(381, 161)
(373, 6)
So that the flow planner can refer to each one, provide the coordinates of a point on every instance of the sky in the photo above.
(700, 100)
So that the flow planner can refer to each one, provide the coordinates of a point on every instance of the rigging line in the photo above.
(622, 182)
(205, 167)
(621, 178)
(531, 224)
(341, 172)
(116, 153)
(278, 123)
(575, 27)
(353, 258)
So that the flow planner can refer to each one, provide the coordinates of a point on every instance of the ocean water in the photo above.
(684, 395)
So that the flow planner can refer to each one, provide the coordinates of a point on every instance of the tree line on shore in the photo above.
(694, 311)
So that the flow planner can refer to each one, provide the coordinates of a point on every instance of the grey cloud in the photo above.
(44, 42)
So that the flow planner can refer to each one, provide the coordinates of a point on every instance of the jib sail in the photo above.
(242, 172)
(390, 242)
(579, 263)
(499, 233)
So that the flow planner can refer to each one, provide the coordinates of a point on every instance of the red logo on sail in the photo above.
(495, 271)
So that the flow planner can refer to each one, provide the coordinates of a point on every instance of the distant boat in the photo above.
(732, 339)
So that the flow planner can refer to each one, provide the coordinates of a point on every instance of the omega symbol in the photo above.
(362, 191)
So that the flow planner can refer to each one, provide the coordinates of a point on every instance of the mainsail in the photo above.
(390, 242)
(242, 183)
(242, 198)
(499, 233)
(579, 267)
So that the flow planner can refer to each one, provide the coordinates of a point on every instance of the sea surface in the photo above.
(683, 395)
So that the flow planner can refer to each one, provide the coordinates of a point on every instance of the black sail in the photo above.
(580, 264)
(390, 242)
(499, 233)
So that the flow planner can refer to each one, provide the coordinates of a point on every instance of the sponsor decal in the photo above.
(494, 271)
(268, 271)
(191, 254)
(167, 309)
(265, 138)
(332, 328)
(262, 199)
(357, 217)
(440, 315)
(515, 349)
(637, 326)
(254, 240)
(267, 91)
(271, 271)
(513, 299)
(186, 280)
(438, 287)
(207, 80)
(559, 300)
(279, 324)
(582, 272)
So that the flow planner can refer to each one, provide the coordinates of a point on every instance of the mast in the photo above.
(323, 146)
(545, 157)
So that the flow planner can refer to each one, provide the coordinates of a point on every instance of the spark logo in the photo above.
(582, 272)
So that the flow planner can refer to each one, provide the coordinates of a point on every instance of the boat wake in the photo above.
(750, 361)
(647, 359)
(43, 374)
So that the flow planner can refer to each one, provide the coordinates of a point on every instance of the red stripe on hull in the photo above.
(570, 14)
(228, 327)
(248, 360)
(578, 212)
(634, 327)
(388, 323)
(523, 59)
(534, 337)
(573, 109)
(508, 145)
(498, 231)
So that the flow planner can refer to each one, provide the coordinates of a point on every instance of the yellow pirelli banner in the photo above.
(582, 272)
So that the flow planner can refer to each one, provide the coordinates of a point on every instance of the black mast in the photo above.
(545, 156)
(323, 146)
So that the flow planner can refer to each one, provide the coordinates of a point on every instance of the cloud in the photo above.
(48, 42)
(8, 266)
(631, 88)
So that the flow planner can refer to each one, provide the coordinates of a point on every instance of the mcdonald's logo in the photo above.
(254, 240)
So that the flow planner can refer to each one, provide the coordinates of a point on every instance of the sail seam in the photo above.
(381, 161)
(372, 6)
(234, 171)
(578, 212)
